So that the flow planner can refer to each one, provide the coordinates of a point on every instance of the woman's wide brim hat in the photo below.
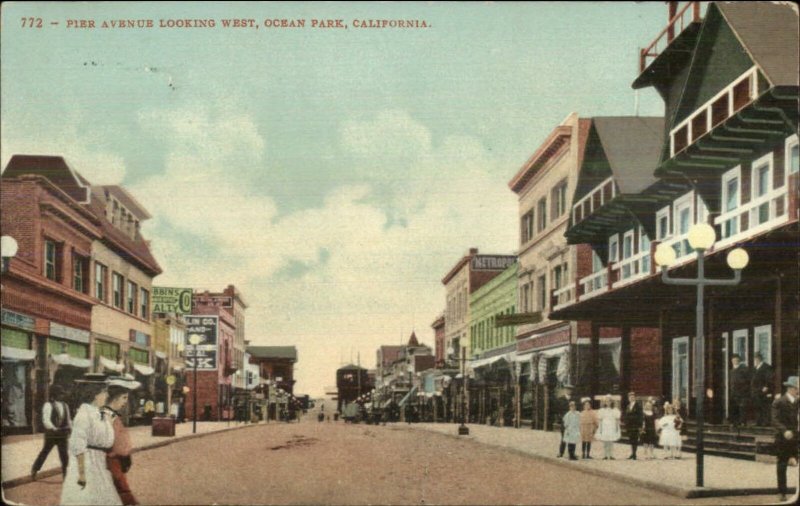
(124, 381)
(93, 377)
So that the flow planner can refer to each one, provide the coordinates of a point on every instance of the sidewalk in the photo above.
(722, 476)
(19, 452)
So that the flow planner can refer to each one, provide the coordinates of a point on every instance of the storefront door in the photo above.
(680, 369)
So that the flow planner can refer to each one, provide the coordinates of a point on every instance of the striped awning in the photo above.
(66, 359)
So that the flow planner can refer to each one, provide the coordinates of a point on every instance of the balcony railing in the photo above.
(594, 284)
(563, 297)
(758, 215)
(725, 104)
(595, 199)
(631, 269)
(675, 27)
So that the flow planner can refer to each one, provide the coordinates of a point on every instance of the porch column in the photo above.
(712, 354)
(625, 362)
(777, 334)
(594, 361)
(666, 358)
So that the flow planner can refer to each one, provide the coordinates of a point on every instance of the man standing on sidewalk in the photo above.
(57, 427)
(784, 420)
(740, 390)
(634, 421)
(761, 389)
(560, 408)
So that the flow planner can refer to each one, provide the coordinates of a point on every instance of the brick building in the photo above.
(276, 370)
(46, 300)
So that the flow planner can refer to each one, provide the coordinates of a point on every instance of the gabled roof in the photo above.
(55, 169)
(412, 341)
(289, 352)
(633, 147)
(769, 33)
(352, 367)
(138, 249)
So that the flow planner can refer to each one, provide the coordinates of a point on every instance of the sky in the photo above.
(333, 175)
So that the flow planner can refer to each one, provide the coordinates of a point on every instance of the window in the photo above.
(116, 287)
(106, 350)
(526, 297)
(662, 224)
(761, 186)
(644, 247)
(613, 248)
(79, 273)
(144, 304)
(763, 342)
(50, 260)
(739, 344)
(731, 200)
(131, 298)
(139, 356)
(100, 273)
(542, 281)
(597, 263)
(559, 199)
(541, 208)
(527, 227)
(793, 155)
(627, 252)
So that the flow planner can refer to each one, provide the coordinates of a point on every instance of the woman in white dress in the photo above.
(608, 431)
(88, 480)
(670, 436)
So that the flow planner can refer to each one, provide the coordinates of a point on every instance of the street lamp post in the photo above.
(194, 340)
(463, 430)
(701, 238)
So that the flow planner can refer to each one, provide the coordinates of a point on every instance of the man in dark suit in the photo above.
(784, 420)
(57, 427)
(761, 389)
(740, 391)
(634, 421)
(560, 408)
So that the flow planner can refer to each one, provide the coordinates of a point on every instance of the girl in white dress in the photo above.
(88, 480)
(670, 436)
(608, 431)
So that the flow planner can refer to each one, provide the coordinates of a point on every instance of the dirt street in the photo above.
(337, 463)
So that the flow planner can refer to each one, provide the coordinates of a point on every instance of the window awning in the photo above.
(11, 353)
(407, 396)
(144, 370)
(110, 364)
(66, 359)
(483, 362)
(161, 355)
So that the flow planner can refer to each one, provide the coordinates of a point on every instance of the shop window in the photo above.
(139, 356)
(15, 338)
(106, 350)
(15, 392)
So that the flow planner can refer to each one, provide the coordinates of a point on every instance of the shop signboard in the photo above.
(17, 320)
(172, 300)
(492, 262)
(205, 353)
(69, 333)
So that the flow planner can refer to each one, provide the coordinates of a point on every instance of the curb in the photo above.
(53, 471)
(685, 493)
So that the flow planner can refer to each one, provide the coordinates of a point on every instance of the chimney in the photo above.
(473, 251)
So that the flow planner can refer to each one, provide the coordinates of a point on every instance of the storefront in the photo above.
(18, 355)
(67, 359)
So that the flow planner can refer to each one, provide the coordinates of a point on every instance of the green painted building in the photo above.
(495, 298)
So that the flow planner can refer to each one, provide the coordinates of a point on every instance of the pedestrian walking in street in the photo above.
(572, 429)
(761, 389)
(118, 458)
(560, 408)
(740, 391)
(88, 480)
(649, 436)
(608, 417)
(588, 428)
(784, 421)
(57, 425)
(634, 419)
(669, 435)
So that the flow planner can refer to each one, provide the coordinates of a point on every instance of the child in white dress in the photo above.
(670, 436)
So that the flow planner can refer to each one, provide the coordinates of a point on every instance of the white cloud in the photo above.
(79, 150)
(376, 282)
